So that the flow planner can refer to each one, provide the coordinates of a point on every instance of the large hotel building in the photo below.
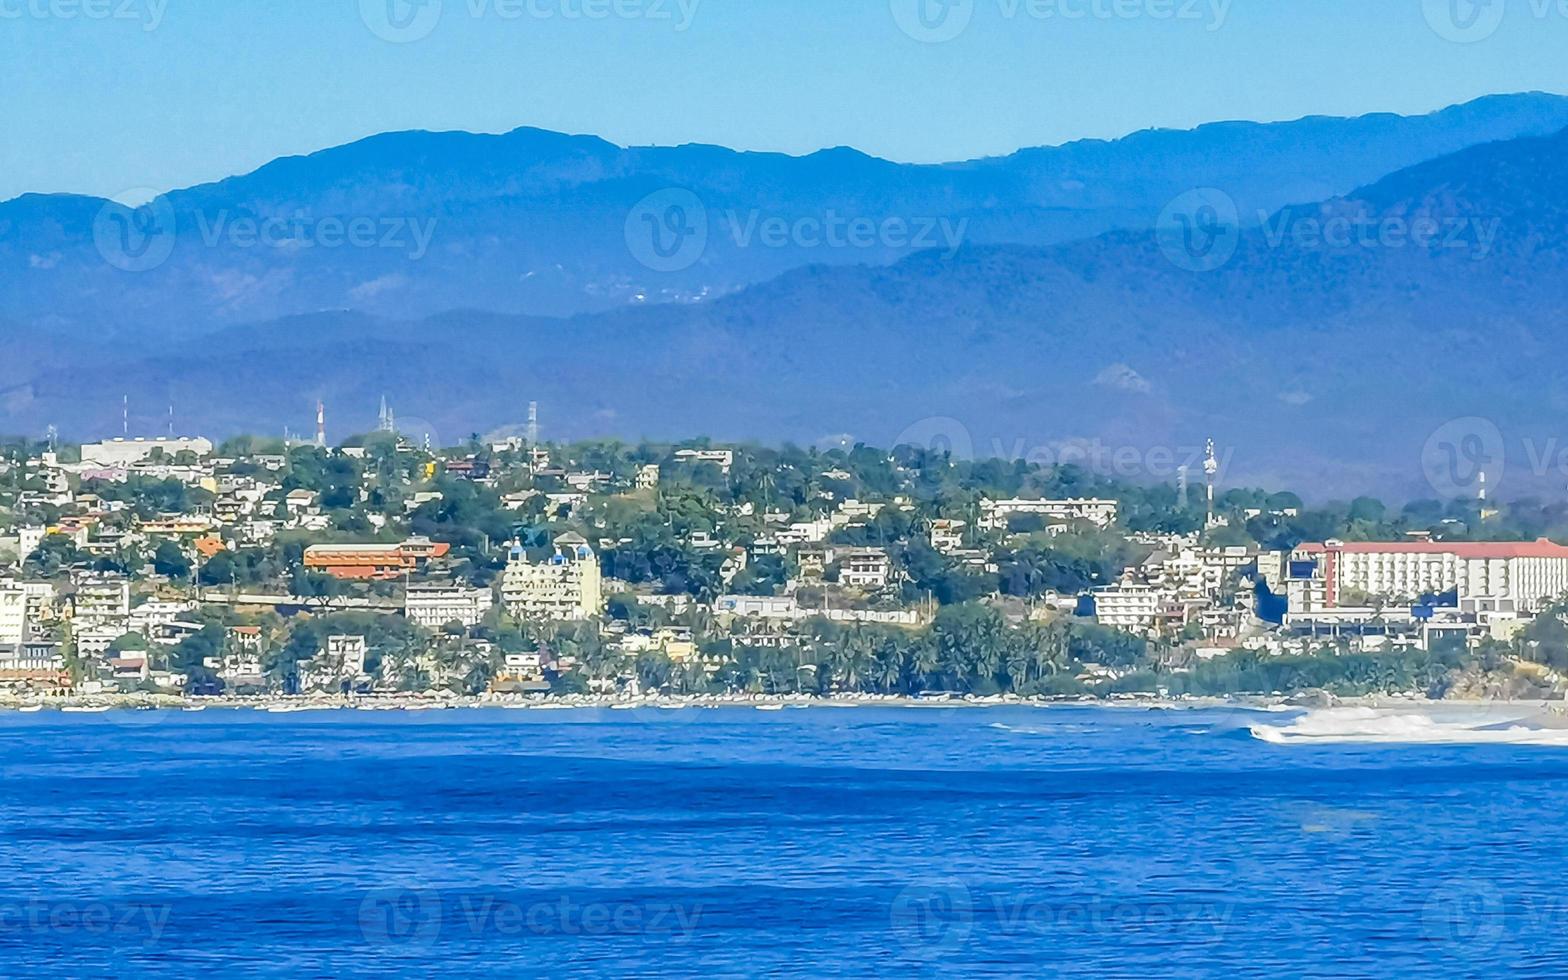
(1530, 575)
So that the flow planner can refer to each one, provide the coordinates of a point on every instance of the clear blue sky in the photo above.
(98, 104)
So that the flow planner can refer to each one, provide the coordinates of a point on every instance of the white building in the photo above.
(566, 586)
(434, 606)
(947, 535)
(722, 458)
(102, 599)
(1336, 573)
(1130, 606)
(757, 606)
(123, 452)
(13, 617)
(865, 568)
(994, 513)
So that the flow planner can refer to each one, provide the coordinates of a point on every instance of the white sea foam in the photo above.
(1477, 726)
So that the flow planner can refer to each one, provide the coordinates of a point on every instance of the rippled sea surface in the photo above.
(737, 842)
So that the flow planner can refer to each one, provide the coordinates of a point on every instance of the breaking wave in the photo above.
(1480, 726)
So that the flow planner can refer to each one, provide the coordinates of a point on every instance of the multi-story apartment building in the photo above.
(565, 586)
(1337, 573)
(13, 617)
(101, 599)
(865, 568)
(434, 606)
(1131, 606)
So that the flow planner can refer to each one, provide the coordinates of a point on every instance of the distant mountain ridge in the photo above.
(1330, 366)
(539, 223)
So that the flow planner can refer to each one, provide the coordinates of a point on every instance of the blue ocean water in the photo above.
(736, 842)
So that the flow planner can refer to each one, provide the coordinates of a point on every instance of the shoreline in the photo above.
(99, 703)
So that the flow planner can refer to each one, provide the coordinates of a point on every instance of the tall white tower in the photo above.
(321, 424)
(1211, 469)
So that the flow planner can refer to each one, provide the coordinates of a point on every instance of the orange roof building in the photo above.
(373, 561)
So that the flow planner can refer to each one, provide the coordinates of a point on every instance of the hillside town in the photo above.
(517, 569)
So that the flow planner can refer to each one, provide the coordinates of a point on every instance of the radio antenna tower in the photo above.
(533, 424)
(321, 425)
(1211, 469)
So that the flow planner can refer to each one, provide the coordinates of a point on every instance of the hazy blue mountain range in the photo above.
(1337, 362)
(541, 223)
